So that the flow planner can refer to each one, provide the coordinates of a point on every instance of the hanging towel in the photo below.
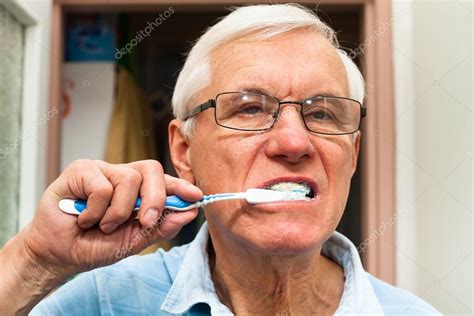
(131, 135)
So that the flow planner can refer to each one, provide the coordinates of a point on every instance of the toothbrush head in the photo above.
(257, 196)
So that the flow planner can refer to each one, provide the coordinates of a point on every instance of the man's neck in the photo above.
(254, 284)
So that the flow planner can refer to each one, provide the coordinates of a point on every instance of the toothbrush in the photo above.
(175, 203)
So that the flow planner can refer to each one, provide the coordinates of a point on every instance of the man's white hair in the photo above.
(264, 22)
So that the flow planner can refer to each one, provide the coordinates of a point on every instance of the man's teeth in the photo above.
(302, 188)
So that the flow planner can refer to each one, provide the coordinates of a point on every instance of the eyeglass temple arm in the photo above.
(200, 108)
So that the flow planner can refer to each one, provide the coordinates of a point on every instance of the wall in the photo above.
(432, 50)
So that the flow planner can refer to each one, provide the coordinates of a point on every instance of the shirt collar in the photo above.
(358, 296)
(193, 283)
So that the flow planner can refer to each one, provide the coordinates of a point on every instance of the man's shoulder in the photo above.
(397, 301)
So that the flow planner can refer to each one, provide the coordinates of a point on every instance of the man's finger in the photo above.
(99, 192)
(127, 182)
(152, 190)
(171, 223)
(182, 188)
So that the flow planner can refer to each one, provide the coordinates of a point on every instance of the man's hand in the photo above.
(56, 245)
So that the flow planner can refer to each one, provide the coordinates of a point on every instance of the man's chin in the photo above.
(286, 242)
(281, 249)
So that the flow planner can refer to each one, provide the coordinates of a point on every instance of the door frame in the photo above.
(34, 103)
(378, 141)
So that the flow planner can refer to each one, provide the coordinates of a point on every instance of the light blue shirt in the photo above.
(178, 282)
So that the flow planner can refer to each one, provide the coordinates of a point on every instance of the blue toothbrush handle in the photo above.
(173, 202)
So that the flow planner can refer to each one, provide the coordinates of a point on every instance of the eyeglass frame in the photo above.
(212, 103)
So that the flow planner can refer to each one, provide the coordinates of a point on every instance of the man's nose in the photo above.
(289, 138)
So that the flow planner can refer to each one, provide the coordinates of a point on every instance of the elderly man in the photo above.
(265, 100)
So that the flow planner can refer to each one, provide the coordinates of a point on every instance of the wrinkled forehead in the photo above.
(300, 63)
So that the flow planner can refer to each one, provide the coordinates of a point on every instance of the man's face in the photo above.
(292, 66)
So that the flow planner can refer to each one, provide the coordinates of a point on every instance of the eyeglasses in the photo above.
(248, 111)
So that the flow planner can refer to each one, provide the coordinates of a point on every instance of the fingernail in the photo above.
(151, 216)
(108, 227)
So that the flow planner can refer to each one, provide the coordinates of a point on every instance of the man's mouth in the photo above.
(297, 187)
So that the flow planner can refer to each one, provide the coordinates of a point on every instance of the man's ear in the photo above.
(179, 150)
(355, 156)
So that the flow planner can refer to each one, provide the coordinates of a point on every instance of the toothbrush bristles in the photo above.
(295, 195)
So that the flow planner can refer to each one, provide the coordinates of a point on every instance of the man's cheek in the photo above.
(238, 149)
(214, 177)
(339, 156)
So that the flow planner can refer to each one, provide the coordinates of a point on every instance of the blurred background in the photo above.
(94, 79)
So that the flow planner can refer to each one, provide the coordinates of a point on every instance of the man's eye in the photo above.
(321, 115)
(250, 109)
